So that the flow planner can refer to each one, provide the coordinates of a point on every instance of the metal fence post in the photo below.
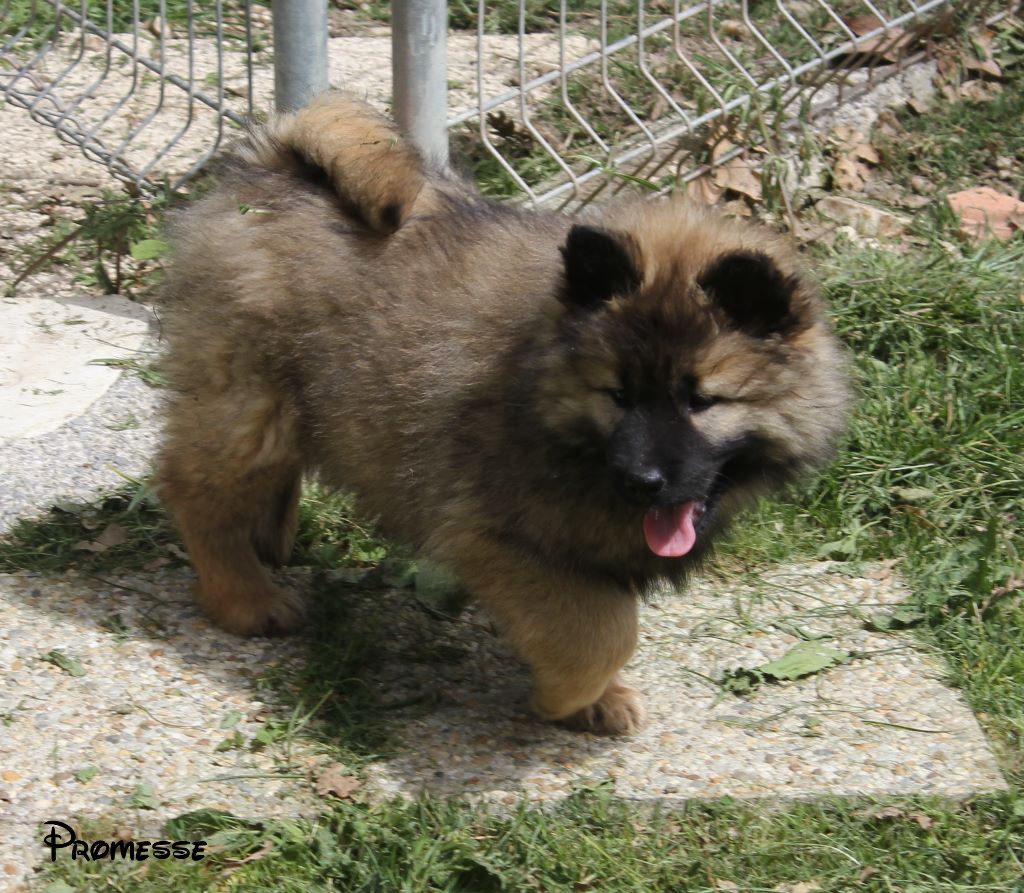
(419, 66)
(300, 52)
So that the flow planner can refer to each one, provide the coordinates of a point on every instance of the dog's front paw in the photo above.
(619, 711)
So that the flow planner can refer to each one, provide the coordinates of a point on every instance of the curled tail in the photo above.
(375, 173)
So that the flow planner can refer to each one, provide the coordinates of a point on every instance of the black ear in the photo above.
(754, 293)
(598, 265)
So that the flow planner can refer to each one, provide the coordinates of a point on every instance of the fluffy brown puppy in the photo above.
(562, 412)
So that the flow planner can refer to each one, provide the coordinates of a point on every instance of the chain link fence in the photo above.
(557, 100)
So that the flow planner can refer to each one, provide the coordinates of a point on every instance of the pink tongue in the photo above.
(669, 531)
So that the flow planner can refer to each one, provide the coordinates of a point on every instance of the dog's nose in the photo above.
(644, 482)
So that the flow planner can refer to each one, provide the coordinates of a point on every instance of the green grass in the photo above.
(596, 842)
(37, 16)
(931, 474)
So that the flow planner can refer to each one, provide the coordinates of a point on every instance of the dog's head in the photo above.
(694, 364)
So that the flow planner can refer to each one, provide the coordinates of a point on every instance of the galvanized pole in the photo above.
(300, 52)
(419, 68)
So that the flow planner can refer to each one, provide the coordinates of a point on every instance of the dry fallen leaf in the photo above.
(336, 781)
(884, 812)
(233, 865)
(867, 152)
(845, 137)
(919, 105)
(882, 49)
(864, 24)
(924, 821)
(947, 66)
(704, 190)
(720, 146)
(739, 175)
(850, 175)
(799, 887)
(986, 67)
(112, 535)
(978, 90)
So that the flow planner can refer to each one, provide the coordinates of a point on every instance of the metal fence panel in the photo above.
(140, 87)
(566, 98)
(654, 79)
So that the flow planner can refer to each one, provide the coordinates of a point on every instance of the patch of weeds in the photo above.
(114, 246)
(38, 20)
(328, 692)
(70, 665)
(331, 534)
(128, 529)
(124, 530)
(515, 144)
(502, 16)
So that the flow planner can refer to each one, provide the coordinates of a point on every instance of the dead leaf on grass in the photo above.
(855, 158)
(799, 887)
(867, 152)
(947, 66)
(850, 175)
(882, 49)
(112, 535)
(919, 105)
(891, 813)
(845, 137)
(985, 67)
(232, 865)
(704, 190)
(336, 781)
(863, 24)
(882, 813)
(924, 821)
(978, 90)
(739, 175)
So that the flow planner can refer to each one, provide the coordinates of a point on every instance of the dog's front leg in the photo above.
(575, 634)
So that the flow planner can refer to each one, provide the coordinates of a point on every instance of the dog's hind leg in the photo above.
(230, 474)
(274, 534)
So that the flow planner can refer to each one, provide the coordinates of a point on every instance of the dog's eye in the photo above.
(619, 396)
(700, 402)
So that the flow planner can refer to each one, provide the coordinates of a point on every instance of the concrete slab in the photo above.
(149, 706)
(48, 352)
(884, 722)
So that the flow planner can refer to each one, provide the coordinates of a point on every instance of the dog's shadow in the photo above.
(433, 703)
